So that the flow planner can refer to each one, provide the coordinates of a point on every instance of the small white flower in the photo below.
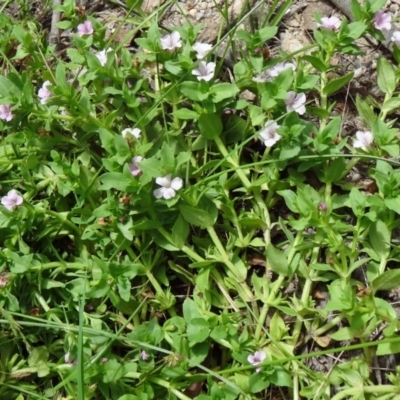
(171, 41)
(134, 167)
(257, 358)
(278, 68)
(331, 23)
(144, 355)
(205, 71)
(44, 94)
(85, 28)
(5, 112)
(396, 38)
(364, 140)
(12, 200)
(273, 72)
(202, 49)
(382, 21)
(168, 187)
(131, 132)
(102, 56)
(296, 102)
(269, 134)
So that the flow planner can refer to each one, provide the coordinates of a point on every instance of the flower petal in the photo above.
(164, 181)
(176, 183)
(168, 193)
(158, 193)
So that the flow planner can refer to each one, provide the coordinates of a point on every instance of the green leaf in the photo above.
(151, 167)
(190, 310)
(365, 111)
(180, 232)
(391, 104)
(386, 76)
(38, 359)
(384, 349)
(183, 157)
(107, 140)
(393, 204)
(167, 156)
(222, 91)
(114, 180)
(334, 171)
(379, 235)
(84, 103)
(357, 202)
(196, 216)
(192, 91)
(267, 33)
(316, 62)
(335, 84)
(7, 88)
(343, 334)
(198, 353)
(61, 80)
(258, 382)
(210, 125)
(356, 9)
(387, 281)
(64, 24)
(126, 229)
(185, 113)
(113, 371)
(198, 330)
(277, 260)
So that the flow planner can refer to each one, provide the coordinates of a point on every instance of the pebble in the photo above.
(199, 16)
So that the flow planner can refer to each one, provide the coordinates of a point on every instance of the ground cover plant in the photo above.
(169, 223)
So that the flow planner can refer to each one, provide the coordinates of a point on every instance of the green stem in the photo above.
(334, 322)
(62, 219)
(57, 264)
(225, 258)
(274, 291)
(247, 184)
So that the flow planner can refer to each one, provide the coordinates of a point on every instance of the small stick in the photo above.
(54, 35)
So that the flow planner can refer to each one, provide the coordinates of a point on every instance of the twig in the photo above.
(54, 35)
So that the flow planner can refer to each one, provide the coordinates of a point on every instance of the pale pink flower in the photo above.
(205, 71)
(331, 23)
(144, 355)
(12, 200)
(296, 102)
(364, 140)
(135, 132)
(5, 112)
(102, 56)
(382, 20)
(85, 29)
(168, 187)
(44, 94)
(278, 68)
(269, 134)
(202, 49)
(134, 167)
(257, 358)
(396, 38)
(171, 41)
